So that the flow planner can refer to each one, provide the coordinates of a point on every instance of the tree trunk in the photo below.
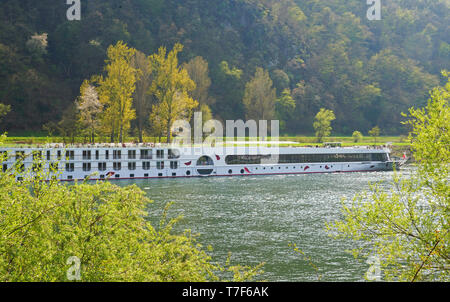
(168, 131)
(139, 125)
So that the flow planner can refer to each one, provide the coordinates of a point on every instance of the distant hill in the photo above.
(326, 52)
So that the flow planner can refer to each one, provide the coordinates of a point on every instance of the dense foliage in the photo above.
(406, 230)
(326, 53)
(44, 226)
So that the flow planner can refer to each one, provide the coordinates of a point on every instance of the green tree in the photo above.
(4, 110)
(228, 89)
(357, 136)
(260, 97)
(171, 87)
(116, 90)
(322, 123)
(198, 71)
(69, 125)
(285, 108)
(407, 228)
(141, 98)
(375, 132)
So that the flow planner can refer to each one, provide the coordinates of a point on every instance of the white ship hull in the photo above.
(149, 162)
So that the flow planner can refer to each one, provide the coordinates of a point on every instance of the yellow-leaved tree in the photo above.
(170, 87)
(116, 90)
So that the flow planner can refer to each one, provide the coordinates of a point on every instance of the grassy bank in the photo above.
(290, 140)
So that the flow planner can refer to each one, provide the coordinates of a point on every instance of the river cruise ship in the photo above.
(147, 161)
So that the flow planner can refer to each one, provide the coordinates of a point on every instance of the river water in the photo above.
(257, 217)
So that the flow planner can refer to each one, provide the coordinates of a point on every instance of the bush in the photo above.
(357, 136)
(46, 224)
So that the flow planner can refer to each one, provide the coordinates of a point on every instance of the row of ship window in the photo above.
(303, 158)
(117, 166)
(89, 154)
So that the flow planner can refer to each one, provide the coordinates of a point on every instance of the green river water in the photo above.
(257, 217)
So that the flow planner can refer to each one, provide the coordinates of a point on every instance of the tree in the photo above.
(47, 225)
(171, 87)
(89, 108)
(116, 90)
(322, 123)
(407, 228)
(4, 110)
(141, 98)
(259, 97)
(228, 89)
(69, 125)
(357, 136)
(375, 132)
(197, 69)
(285, 108)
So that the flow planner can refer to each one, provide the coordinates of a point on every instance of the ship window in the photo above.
(117, 176)
(117, 154)
(306, 158)
(86, 167)
(160, 174)
(106, 154)
(97, 154)
(48, 154)
(102, 166)
(145, 174)
(86, 154)
(5, 167)
(58, 154)
(205, 161)
(174, 174)
(245, 159)
(117, 166)
(159, 165)
(159, 153)
(173, 165)
(70, 167)
(230, 171)
(188, 173)
(102, 176)
(131, 154)
(70, 155)
(131, 175)
(70, 177)
(146, 154)
(242, 171)
(146, 165)
(131, 166)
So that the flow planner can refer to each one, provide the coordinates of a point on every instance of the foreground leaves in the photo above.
(42, 224)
